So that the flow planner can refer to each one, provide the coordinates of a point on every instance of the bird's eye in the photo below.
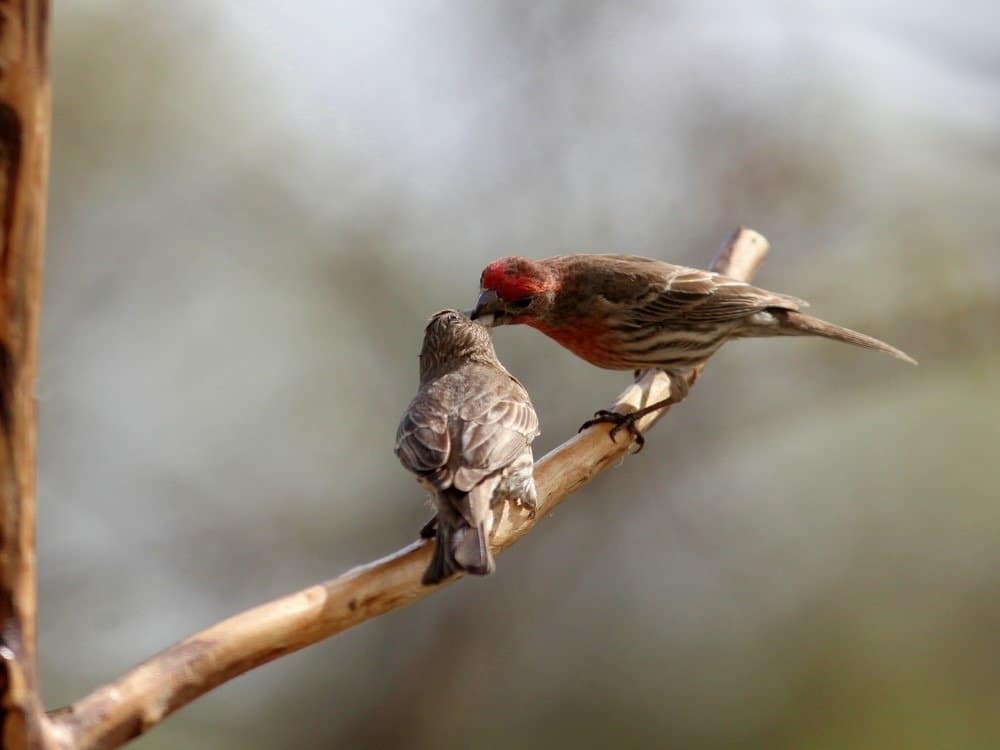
(520, 304)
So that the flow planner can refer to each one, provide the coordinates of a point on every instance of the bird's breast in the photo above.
(588, 339)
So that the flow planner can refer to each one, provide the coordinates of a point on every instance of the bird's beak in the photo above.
(487, 307)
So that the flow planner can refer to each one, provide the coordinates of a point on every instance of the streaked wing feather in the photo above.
(693, 296)
(423, 443)
(495, 430)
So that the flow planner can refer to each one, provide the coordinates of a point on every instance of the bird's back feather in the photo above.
(627, 312)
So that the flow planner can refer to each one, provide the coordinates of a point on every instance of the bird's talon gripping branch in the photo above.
(530, 507)
(619, 420)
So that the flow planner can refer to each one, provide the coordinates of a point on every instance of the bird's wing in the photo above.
(423, 442)
(496, 426)
(689, 295)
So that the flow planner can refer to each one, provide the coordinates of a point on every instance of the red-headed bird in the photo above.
(623, 312)
(467, 436)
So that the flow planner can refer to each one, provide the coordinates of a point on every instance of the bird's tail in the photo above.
(472, 553)
(443, 561)
(794, 323)
(459, 548)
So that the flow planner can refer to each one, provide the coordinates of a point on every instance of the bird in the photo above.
(467, 437)
(626, 312)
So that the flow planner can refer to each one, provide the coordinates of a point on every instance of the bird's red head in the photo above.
(515, 278)
(514, 290)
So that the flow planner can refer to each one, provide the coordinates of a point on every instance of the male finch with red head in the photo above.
(623, 312)
(467, 436)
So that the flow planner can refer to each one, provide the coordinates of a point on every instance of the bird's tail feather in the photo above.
(443, 563)
(794, 323)
(472, 553)
(461, 548)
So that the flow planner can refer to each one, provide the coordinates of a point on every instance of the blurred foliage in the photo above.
(254, 211)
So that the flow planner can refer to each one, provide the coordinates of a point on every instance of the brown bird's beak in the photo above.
(487, 307)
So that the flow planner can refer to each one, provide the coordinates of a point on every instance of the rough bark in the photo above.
(24, 144)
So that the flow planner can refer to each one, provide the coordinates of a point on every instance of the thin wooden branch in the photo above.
(24, 148)
(139, 700)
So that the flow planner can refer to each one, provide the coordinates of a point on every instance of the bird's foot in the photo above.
(529, 503)
(620, 421)
(429, 530)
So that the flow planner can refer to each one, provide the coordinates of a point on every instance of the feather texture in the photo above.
(467, 437)
(625, 312)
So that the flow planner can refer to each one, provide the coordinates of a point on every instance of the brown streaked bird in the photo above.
(624, 312)
(467, 436)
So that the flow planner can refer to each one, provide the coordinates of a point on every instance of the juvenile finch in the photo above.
(623, 312)
(467, 436)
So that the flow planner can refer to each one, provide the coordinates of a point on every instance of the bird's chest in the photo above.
(589, 340)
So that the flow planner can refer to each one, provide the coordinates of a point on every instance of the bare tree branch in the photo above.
(24, 148)
(139, 700)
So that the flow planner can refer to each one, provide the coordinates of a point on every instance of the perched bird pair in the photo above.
(467, 434)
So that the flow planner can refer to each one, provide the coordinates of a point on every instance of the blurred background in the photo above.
(254, 208)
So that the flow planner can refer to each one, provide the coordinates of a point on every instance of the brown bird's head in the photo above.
(514, 290)
(452, 340)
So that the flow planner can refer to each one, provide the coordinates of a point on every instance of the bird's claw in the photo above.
(429, 530)
(619, 420)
